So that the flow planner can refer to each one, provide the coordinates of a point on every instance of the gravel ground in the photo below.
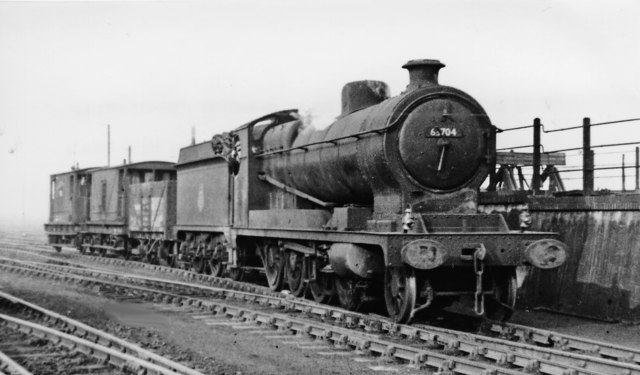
(213, 350)
(63, 362)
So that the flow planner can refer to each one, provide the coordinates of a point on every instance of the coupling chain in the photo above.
(478, 268)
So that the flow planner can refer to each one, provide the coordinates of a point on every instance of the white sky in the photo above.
(155, 69)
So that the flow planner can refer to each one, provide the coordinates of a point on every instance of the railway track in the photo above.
(435, 348)
(65, 346)
(508, 331)
(93, 335)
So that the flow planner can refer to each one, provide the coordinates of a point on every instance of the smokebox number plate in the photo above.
(443, 132)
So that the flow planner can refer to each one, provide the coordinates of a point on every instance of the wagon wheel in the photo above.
(349, 295)
(273, 267)
(122, 243)
(102, 252)
(126, 255)
(57, 248)
(400, 292)
(216, 267)
(77, 242)
(93, 241)
(198, 264)
(295, 271)
(152, 255)
(162, 253)
(500, 306)
(236, 273)
(169, 254)
(118, 243)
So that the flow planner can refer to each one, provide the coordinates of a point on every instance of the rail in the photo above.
(9, 366)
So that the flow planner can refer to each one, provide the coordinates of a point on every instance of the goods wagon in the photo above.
(152, 216)
(106, 231)
(69, 206)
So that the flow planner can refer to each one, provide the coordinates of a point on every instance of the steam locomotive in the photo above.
(379, 206)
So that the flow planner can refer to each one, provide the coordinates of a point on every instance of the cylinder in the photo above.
(348, 260)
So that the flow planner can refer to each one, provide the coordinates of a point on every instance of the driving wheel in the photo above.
(295, 271)
(323, 288)
(400, 293)
(500, 306)
(273, 266)
(216, 267)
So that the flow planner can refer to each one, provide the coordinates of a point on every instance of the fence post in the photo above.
(624, 180)
(637, 168)
(535, 182)
(587, 157)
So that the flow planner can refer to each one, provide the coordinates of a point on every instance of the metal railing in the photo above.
(588, 166)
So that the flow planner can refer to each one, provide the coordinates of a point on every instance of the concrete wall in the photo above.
(601, 278)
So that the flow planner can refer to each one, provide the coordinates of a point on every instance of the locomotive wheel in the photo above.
(163, 254)
(349, 297)
(77, 242)
(236, 274)
(500, 306)
(295, 271)
(323, 288)
(400, 292)
(216, 267)
(151, 256)
(274, 267)
(171, 261)
(198, 264)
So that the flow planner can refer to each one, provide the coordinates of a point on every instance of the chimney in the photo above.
(422, 73)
